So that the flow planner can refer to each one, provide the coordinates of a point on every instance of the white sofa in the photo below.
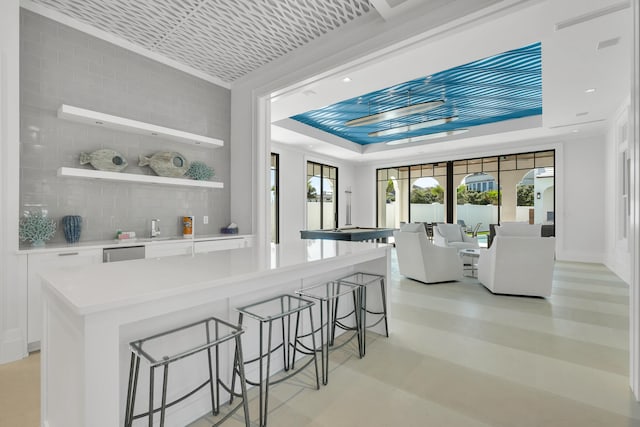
(518, 265)
(421, 260)
(453, 236)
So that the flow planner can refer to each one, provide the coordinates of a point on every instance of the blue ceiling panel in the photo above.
(503, 87)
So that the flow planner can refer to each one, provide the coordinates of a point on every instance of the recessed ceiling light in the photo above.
(590, 90)
(575, 131)
(346, 80)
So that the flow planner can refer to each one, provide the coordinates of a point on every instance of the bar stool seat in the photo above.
(186, 341)
(364, 281)
(328, 295)
(280, 307)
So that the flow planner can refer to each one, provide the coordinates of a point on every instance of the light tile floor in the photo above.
(457, 356)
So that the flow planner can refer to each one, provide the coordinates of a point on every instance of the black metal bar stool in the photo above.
(328, 294)
(280, 307)
(364, 281)
(186, 341)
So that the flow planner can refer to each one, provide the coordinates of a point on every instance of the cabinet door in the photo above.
(159, 250)
(39, 262)
(219, 245)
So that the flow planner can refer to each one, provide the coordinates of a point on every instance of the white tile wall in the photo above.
(62, 65)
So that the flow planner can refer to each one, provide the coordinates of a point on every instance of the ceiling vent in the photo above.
(395, 3)
(592, 15)
(577, 124)
(389, 9)
(608, 43)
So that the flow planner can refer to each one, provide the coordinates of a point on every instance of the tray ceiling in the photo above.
(223, 38)
(502, 87)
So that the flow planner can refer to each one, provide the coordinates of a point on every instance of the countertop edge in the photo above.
(102, 244)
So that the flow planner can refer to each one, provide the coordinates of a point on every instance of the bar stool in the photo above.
(280, 307)
(364, 281)
(186, 341)
(328, 294)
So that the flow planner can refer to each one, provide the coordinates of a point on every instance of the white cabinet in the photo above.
(37, 262)
(221, 244)
(159, 250)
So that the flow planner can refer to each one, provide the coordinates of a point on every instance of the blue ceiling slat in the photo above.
(502, 87)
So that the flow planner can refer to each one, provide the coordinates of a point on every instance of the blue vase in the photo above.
(72, 225)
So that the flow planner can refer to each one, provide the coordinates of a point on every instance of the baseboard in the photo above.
(577, 256)
(33, 346)
(13, 346)
(620, 269)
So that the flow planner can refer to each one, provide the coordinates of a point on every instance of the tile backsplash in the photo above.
(60, 65)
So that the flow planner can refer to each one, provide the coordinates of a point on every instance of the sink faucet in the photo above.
(155, 228)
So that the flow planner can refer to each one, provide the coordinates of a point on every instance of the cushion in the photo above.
(518, 229)
(412, 227)
(451, 232)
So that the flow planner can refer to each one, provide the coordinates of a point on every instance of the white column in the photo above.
(13, 310)
(634, 235)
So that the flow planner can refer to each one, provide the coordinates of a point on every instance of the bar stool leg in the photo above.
(263, 420)
(285, 346)
(243, 383)
(384, 306)
(331, 306)
(325, 348)
(151, 378)
(356, 313)
(313, 343)
(131, 391)
(164, 394)
(363, 317)
(214, 408)
(236, 357)
(295, 343)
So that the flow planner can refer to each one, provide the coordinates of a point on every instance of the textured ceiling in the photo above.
(502, 87)
(223, 38)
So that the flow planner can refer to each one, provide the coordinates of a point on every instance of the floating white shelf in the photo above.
(129, 177)
(95, 118)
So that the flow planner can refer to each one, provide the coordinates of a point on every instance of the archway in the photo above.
(426, 200)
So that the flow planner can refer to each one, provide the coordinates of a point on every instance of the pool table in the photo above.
(350, 233)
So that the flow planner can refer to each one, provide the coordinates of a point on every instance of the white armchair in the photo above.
(517, 265)
(421, 260)
(452, 236)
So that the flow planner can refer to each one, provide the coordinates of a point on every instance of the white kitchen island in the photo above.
(91, 313)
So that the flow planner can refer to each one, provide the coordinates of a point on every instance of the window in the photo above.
(275, 197)
(488, 190)
(322, 196)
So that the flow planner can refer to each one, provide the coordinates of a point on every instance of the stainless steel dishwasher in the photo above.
(122, 254)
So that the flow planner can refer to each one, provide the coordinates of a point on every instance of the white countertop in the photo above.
(99, 287)
(113, 243)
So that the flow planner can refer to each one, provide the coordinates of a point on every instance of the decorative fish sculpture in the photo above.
(105, 160)
(166, 163)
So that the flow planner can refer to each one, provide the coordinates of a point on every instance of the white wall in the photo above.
(618, 250)
(581, 222)
(580, 175)
(13, 312)
(293, 189)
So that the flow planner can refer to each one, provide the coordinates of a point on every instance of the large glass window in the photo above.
(275, 197)
(322, 196)
(487, 190)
